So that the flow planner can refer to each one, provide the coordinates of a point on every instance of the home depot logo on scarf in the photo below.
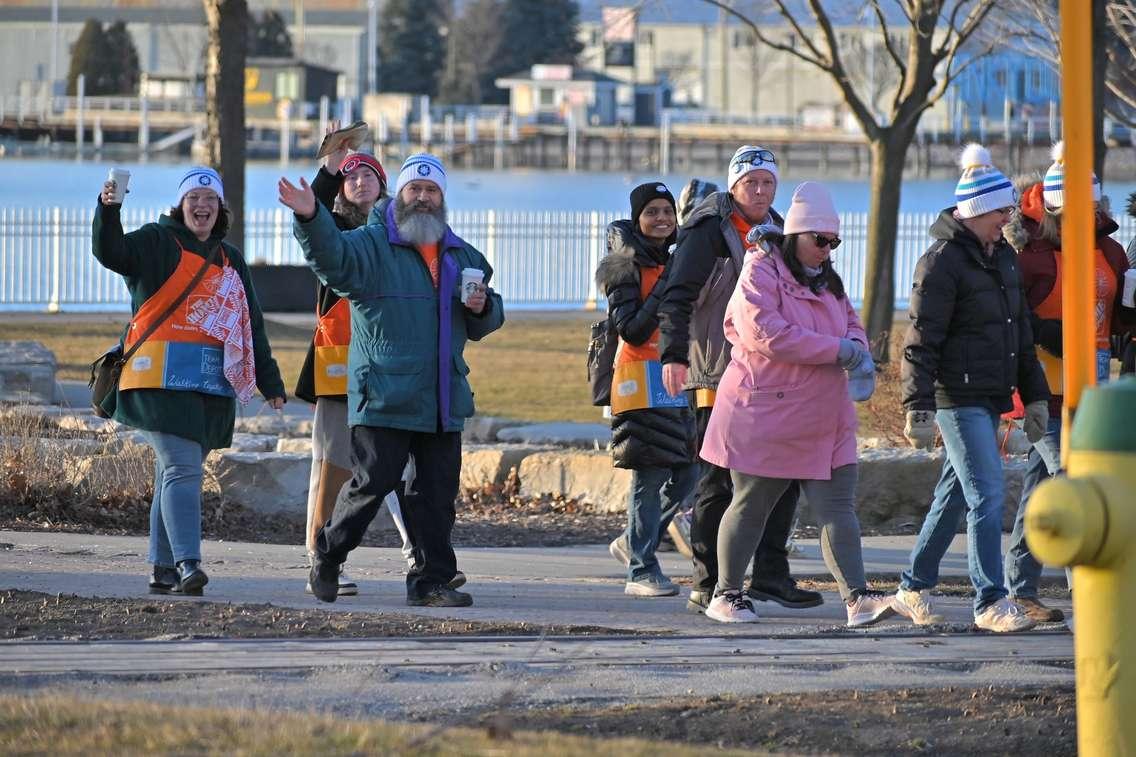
(224, 315)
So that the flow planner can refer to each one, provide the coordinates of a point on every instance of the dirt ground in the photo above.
(955, 721)
(39, 616)
(484, 519)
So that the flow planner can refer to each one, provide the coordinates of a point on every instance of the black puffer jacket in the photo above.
(656, 437)
(970, 342)
(702, 277)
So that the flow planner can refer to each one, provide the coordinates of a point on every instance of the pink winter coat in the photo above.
(782, 409)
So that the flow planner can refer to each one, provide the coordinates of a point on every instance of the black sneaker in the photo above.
(163, 580)
(457, 581)
(785, 593)
(323, 579)
(191, 578)
(441, 596)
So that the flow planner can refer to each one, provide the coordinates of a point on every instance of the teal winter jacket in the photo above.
(405, 334)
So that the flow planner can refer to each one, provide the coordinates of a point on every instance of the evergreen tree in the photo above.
(268, 37)
(107, 59)
(88, 56)
(122, 73)
(412, 50)
(469, 61)
(534, 31)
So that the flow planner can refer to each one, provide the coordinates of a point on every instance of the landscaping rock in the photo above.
(27, 372)
(593, 436)
(588, 476)
(275, 424)
(243, 442)
(484, 428)
(490, 463)
(265, 482)
(88, 422)
(301, 445)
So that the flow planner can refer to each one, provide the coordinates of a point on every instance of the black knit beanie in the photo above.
(644, 193)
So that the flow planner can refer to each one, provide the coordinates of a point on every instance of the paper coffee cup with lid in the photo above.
(471, 281)
(119, 178)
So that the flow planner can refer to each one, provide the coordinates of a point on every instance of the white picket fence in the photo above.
(541, 259)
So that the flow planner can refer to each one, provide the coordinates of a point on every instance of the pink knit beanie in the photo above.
(812, 210)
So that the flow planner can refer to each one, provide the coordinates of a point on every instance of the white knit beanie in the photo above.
(749, 158)
(200, 177)
(421, 166)
(982, 187)
(812, 210)
(1053, 187)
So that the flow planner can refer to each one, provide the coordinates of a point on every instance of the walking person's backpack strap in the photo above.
(106, 371)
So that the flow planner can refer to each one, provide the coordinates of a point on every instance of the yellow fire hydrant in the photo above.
(1088, 520)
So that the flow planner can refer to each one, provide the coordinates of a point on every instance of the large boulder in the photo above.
(484, 428)
(27, 372)
(490, 463)
(297, 445)
(588, 476)
(593, 436)
(276, 424)
(244, 442)
(265, 482)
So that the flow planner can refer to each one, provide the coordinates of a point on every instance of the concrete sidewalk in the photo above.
(562, 585)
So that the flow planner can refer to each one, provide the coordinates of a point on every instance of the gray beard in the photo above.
(351, 213)
(418, 226)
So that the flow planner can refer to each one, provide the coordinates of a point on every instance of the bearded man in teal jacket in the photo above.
(408, 391)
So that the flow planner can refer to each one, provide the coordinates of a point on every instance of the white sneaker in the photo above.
(916, 606)
(651, 586)
(619, 550)
(870, 607)
(1004, 617)
(731, 607)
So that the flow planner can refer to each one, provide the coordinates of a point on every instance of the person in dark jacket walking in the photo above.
(651, 434)
(182, 385)
(349, 185)
(968, 348)
(407, 387)
(694, 353)
(1041, 264)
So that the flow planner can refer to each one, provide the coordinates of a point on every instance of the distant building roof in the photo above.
(699, 12)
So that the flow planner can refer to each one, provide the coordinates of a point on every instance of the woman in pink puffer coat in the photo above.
(784, 411)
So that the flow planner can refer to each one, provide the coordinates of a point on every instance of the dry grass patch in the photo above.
(68, 725)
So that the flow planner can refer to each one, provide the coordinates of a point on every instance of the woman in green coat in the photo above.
(182, 383)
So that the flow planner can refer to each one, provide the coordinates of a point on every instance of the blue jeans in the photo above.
(656, 494)
(175, 512)
(1023, 571)
(972, 483)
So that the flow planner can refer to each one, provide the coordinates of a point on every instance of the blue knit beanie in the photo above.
(982, 187)
(1053, 187)
(421, 166)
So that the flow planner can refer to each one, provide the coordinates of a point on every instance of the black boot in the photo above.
(191, 578)
(163, 580)
(784, 592)
(323, 579)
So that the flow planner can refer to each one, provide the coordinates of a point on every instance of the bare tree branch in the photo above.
(852, 98)
(766, 40)
(899, 62)
(973, 20)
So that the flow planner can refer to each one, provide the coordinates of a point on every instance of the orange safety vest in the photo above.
(332, 340)
(178, 355)
(1050, 309)
(649, 350)
(638, 379)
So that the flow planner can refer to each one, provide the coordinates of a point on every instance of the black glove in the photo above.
(1047, 335)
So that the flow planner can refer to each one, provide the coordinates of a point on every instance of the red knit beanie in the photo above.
(357, 159)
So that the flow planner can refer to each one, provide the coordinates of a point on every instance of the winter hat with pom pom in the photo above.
(982, 187)
(1053, 187)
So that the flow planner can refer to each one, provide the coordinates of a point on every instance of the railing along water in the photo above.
(540, 259)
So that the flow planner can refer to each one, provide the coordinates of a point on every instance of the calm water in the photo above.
(37, 183)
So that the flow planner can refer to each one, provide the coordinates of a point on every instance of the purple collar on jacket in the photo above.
(449, 239)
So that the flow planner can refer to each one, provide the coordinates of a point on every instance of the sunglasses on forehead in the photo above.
(830, 242)
(749, 157)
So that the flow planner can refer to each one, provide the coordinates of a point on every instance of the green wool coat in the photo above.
(146, 258)
(405, 334)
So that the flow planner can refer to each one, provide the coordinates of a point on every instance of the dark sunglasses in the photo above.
(749, 157)
(830, 242)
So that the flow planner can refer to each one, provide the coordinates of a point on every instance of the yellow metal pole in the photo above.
(1077, 221)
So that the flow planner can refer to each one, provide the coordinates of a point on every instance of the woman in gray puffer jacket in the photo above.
(657, 443)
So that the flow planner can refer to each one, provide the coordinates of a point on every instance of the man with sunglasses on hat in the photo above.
(695, 353)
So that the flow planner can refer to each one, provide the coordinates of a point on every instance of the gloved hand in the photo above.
(862, 380)
(1036, 421)
(851, 354)
(920, 429)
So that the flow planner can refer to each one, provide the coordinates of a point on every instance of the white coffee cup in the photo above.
(1128, 296)
(119, 179)
(471, 279)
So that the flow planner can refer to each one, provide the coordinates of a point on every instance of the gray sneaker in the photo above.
(651, 586)
(619, 550)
